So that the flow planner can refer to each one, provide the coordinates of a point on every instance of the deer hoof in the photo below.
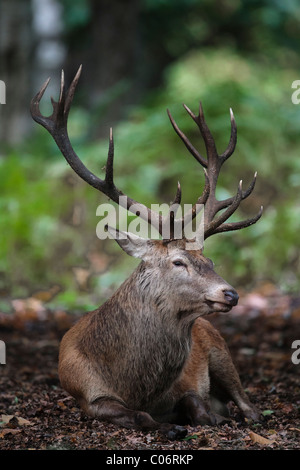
(217, 419)
(175, 432)
(253, 415)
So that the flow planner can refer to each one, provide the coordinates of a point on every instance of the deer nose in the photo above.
(231, 296)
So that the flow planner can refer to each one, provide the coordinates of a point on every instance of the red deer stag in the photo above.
(146, 359)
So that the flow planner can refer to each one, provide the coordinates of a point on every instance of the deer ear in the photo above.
(132, 244)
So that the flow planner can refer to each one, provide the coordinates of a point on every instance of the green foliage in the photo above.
(76, 13)
(42, 237)
(30, 210)
(268, 29)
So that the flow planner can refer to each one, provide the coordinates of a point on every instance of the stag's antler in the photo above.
(213, 164)
(56, 125)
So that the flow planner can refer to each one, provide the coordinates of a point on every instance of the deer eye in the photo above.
(178, 263)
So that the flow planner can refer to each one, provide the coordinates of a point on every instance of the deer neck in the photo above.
(148, 300)
(152, 341)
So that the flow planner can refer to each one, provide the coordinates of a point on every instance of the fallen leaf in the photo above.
(61, 405)
(8, 431)
(6, 419)
(191, 436)
(288, 408)
(23, 421)
(267, 412)
(295, 429)
(260, 439)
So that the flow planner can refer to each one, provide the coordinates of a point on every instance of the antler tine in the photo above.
(214, 223)
(177, 199)
(186, 142)
(58, 115)
(71, 91)
(246, 193)
(109, 170)
(209, 141)
(35, 103)
(170, 218)
(62, 107)
(233, 138)
(230, 226)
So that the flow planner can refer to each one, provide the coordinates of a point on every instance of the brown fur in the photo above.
(146, 358)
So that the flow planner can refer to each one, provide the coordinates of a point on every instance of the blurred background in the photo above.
(140, 57)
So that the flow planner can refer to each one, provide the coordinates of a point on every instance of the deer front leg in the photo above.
(111, 410)
(210, 373)
(193, 391)
(226, 384)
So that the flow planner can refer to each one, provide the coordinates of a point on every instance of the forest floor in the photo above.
(35, 413)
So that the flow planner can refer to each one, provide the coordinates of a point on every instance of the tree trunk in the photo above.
(15, 68)
(113, 62)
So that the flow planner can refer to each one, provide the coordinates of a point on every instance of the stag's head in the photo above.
(184, 268)
(170, 275)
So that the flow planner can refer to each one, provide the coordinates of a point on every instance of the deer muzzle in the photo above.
(227, 299)
(231, 296)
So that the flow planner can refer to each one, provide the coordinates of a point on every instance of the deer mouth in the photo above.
(217, 306)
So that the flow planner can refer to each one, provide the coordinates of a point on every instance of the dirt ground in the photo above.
(35, 413)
